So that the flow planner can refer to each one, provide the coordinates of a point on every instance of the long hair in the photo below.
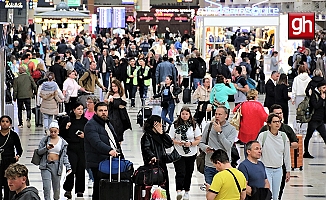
(180, 121)
(120, 88)
(283, 79)
(149, 123)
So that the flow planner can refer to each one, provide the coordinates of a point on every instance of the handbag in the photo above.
(235, 121)
(149, 175)
(172, 157)
(200, 159)
(36, 159)
(67, 98)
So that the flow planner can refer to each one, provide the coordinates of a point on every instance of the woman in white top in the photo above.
(274, 152)
(70, 90)
(53, 152)
(186, 136)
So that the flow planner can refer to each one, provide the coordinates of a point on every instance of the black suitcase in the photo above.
(186, 98)
(143, 114)
(38, 117)
(116, 189)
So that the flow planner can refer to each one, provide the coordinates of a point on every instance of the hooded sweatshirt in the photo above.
(300, 84)
(49, 86)
(221, 92)
(29, 193)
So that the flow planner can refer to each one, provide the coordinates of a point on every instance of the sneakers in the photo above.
(28, 123)
(179, 195)
(186, 196)
(20, 126)
(80, 194)
(68, 194)
(307, 155)
(90, 183)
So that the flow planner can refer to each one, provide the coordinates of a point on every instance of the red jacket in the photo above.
(252, 119)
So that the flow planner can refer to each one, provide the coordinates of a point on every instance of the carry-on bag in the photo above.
(9, 110)
(38, 117)
(116, 189)
(297, 155)
(186, 98)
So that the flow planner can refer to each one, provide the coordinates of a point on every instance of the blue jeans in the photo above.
(170, 111)
(213, 81)
(90, 174)
(274, 177)
(47, 119)
(209, 173)
(196, 81)
(106, 79)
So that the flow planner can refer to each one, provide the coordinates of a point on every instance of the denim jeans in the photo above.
(90, 174)
(196, 81)
(213, 81)
(274, 177)
(106, 79)
(20, 103)
(47, 119)
(170, 111)
(50, 175)
(209, 173)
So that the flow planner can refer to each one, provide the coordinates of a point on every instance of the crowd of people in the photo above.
(94, 126)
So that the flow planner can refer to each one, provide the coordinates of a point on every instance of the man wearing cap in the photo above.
(317, 104)
(100, 142)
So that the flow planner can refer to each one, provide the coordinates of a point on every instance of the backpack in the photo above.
(202, 69)
(87, 78)
(80, 69)
(251, 83)
(37, 74)
(304, 112)
(26, 67)
(290, 61)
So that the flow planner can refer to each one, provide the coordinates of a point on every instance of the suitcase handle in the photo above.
(118, 168)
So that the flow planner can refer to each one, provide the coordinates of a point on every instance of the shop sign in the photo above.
(301, 26)
(130, 19)
(174, 10)
(13, 5)
(254, 11)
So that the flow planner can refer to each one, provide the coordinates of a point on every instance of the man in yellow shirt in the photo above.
(229, 183)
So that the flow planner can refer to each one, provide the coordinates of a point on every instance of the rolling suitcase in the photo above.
(38, 117)
(116, 189)
(9, 110)
(186, 98)
(297, 155)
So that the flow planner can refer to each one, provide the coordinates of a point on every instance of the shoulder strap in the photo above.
(208, 131)
(264, 139)
(284, 138)
(236, 181)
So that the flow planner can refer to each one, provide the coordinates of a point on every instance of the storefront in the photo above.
(178, 20)
(212, 22)
(62, 21)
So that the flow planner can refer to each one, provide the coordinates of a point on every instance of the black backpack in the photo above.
(290, 61)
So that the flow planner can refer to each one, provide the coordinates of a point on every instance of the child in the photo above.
(17, 176)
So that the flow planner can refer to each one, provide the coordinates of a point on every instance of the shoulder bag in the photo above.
(173, 156)
(235, 121)
(200, 159)
(36, 158)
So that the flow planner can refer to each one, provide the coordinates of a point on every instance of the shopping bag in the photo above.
(235, 121)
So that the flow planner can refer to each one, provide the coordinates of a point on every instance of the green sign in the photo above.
(73, 3)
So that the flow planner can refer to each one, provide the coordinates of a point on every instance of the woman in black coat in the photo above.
(282, 96)
(317, 78)
(153, 145)
(117, 109)
(72, 130)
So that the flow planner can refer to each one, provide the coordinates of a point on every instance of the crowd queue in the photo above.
(94, 127)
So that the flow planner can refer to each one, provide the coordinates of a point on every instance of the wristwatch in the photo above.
(218, 133)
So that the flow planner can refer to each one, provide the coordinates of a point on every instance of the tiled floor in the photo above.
(306, 184)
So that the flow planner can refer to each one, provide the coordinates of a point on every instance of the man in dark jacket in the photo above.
(269, 89)
(100, 142)
(317, 104)
(24, 89)
(62, 47)
(105, 67)
(217, 68)
(17, 176)
(197, 69)
(59, 72)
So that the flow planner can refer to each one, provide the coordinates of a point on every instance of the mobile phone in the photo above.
(51, 145)
(79, 132)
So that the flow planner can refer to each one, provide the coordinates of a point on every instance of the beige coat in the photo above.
(201, 94)
(50, 101)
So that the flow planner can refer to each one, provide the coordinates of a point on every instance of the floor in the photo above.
(307, 184)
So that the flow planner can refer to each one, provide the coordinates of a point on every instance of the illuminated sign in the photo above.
(253, 11)
(175, 10)
(119, 17)
(105, 17)
(11, 5)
